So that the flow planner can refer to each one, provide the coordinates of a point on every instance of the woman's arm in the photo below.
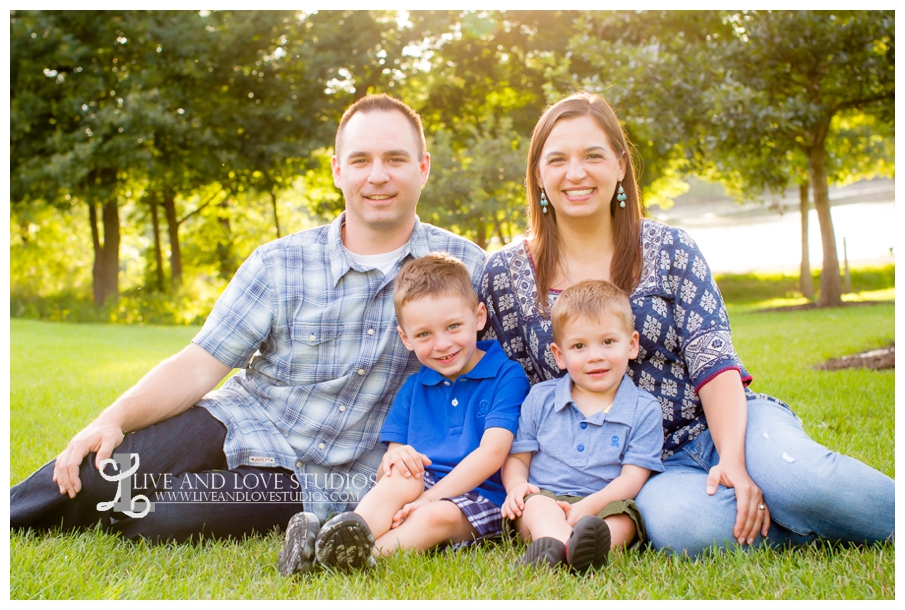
(726, 409)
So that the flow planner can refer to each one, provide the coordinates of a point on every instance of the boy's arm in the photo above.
(515, 479)
(624, 487)
(476, 468)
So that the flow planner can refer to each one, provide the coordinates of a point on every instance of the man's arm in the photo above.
(170, 388)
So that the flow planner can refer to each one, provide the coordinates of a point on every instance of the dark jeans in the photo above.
(182, 454)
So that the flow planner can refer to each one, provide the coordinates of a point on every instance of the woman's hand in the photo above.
(753, 514)
(726, 410)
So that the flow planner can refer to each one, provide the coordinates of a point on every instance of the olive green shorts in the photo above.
(616, 507)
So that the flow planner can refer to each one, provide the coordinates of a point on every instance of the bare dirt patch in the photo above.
(875, 359)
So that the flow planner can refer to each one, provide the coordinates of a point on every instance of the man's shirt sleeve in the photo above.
(242, 317)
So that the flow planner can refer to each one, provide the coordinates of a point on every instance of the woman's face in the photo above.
(578, 168)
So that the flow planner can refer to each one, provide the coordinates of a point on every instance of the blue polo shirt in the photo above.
(576, 455)
(445, 419)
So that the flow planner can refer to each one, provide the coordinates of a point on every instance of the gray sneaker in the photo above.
(297, 555)
(345, 542)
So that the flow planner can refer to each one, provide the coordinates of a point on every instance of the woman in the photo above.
(739, 467)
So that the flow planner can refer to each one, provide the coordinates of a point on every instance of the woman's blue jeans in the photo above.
(811, 492)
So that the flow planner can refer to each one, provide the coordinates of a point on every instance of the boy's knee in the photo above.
(400, 488)
(443, 515)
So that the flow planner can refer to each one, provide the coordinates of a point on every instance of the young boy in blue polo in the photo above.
(449, 431)
(587, 442)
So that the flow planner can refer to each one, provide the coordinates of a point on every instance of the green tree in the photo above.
(794, 73)
(70, 84)
(476, 188)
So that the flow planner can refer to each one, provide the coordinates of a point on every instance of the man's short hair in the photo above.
(437, 274)
(591, 299)
(382, 103)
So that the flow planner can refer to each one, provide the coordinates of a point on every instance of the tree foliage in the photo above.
(173, 142)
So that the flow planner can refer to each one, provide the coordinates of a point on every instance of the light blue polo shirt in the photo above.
(445, 419)
(576, 455)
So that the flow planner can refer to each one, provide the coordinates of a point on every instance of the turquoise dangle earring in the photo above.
(543, 201)
(621, 196)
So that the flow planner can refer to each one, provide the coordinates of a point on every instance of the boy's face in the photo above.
(442, 330)
(596, 353)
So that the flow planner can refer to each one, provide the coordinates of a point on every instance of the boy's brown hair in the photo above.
(438, 273)
(591, 299)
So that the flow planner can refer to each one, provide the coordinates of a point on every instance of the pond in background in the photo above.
(774, 243)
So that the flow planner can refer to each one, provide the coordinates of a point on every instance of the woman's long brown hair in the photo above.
(625, 268)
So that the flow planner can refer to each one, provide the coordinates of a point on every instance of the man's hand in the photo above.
(750, 518)
(100, 437)
(407, 461)
(515, 500)
(170, 388)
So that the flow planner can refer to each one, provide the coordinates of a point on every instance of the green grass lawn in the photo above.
(62, 375)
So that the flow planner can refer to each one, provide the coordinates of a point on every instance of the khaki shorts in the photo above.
(616, 507)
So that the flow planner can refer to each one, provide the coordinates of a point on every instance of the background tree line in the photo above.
(189, 138)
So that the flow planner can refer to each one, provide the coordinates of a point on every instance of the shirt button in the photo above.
(322, 446)
(583, 425)
(361, 371)
(342, 408)
(455, 402)
(312, 338)
(298, 464)
(370, 331)
(580, 447)
(445, 383)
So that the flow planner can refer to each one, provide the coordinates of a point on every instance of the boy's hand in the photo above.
(576, 511)
(515, 500)
(406, 460)
(403, 513)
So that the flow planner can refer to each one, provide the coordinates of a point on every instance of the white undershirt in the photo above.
(382, 262)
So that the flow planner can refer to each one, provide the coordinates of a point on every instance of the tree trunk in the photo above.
(830, 280)
(158, 253)
(225, 243)
(105, 273)
(276, 218)
(480, 238)
(169, 208)
(806, 282)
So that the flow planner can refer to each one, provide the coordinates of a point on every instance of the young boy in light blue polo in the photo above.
(449, 431)
(587, 442)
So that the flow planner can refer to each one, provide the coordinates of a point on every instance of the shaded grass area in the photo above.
(63, 374)
(755, 287)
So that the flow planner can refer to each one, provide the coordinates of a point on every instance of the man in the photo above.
(309, 320)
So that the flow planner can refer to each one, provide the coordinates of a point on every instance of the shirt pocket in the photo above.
(317, 353)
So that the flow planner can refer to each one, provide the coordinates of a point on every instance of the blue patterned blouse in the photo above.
(679, 314)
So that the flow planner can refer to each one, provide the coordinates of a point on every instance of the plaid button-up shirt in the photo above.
(316, 338)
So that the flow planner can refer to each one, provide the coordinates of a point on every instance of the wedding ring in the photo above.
(761, 507)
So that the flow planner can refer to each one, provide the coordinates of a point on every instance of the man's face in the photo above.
(380, 169)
